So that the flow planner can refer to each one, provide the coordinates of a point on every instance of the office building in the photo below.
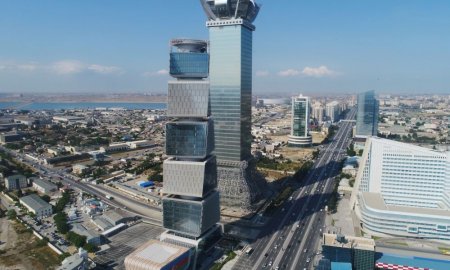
(231, 29)
(156, 255)
(15, 182)
(191, 207)
(300, 123)
(359, 252)
(367, 115)
(403, 190)
(43, 186)
(36, 205)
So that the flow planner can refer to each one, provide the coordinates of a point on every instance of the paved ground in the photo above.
(126, 242)
(343, 222)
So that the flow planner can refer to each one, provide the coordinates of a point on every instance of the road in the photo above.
(290, 239)
(134, 207)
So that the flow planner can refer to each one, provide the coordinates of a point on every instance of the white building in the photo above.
(14, 182)
(403, 190)
(43, 186)
(333, 110)
(79, 168)
(36, 205)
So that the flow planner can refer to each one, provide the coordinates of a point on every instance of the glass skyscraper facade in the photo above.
(191, 205)
(367, 115)
(231, 90)
(300, 122)
(231, 34)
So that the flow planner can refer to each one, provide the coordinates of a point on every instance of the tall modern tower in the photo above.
(230, 28)
(191, 208)
(300, 123)
(367, 116)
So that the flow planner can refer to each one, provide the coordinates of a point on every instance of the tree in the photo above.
(61, 222)
(76, 239)
(45, 198)
(90, 247)
(351, 151)
(11, 214)
(360, 152)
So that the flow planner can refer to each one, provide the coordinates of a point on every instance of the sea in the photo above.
(39, 106)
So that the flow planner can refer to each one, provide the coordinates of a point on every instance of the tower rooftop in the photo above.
(230, 9)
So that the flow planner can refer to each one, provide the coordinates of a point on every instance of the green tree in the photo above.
(61, 222)
(45, 198)
(76, 239)
(11, 214)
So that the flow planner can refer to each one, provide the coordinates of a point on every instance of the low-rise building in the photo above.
(92, 237)
(78, 261)
(155, 255)
(79, 169)
(10, 137)
(15, 182)
(36, 205)
(43, 186)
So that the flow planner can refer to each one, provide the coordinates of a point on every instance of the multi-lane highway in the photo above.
(290, 239)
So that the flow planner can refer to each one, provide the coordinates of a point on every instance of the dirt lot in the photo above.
(20, 249)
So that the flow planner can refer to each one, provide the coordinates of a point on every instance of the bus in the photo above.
(248, 250)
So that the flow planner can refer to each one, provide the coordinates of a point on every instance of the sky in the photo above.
(299, 46)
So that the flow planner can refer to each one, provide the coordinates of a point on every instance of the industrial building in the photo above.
(43, 186)
(36, 205)
(14, 182)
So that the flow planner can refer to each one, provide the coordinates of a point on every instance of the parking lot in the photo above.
(124, 243)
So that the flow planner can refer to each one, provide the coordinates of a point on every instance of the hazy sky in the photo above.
(392, 46)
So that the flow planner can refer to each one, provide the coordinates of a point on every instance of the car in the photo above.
(306, 250)
(308, 260)
(270, 263)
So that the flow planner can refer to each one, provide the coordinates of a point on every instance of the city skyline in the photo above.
(391, 47)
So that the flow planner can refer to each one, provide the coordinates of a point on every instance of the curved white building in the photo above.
(403, 190)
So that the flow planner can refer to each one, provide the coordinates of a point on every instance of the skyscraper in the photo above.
(300, 122)
(230, 27)
(191, 207)
(367, 115)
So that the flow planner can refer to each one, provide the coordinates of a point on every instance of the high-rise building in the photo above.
(403, 190)
(333, 111)
(318, 112)
(231, 29)
(191, 207)
(367, 115)
(300, 122)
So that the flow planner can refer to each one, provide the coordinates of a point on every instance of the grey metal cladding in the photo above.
(189, 178)
(188, 99)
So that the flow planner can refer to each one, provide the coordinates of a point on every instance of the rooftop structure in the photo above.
(156, 255)
(356, 251)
